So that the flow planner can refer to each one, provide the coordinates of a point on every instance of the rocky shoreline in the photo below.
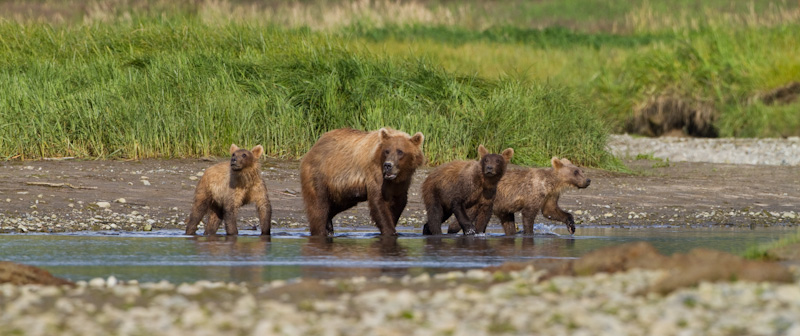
(475, 302)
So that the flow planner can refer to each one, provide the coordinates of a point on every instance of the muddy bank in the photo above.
(55, 196)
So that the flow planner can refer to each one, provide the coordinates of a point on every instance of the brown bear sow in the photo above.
(348, 166)
(459, 185)
(225, 187)
(532, 190)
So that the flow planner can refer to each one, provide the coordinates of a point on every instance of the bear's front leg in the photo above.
(552, 211)
(380, 212)
(231, 213)
(461, 215)
(482, 216)
(528, 216)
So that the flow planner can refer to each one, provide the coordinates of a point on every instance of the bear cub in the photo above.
(225, 187)
(536, 189)
(459, 185)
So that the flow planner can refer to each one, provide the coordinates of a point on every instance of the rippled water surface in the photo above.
(169, 255)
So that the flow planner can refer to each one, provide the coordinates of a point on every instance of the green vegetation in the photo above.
(551, 77)
(179, 87)
(762, 252)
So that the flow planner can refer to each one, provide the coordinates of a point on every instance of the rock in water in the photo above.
(19, 274)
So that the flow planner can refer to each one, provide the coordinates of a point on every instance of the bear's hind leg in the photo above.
(199, 209)
(509, 227)
(435, 218)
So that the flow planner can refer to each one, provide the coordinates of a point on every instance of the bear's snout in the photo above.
(588, 181)
(389, 172)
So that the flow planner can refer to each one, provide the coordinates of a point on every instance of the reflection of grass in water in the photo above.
(762, 251)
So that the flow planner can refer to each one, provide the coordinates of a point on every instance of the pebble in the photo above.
(103, 205)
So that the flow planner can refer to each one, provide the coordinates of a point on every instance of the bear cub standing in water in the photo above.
(532, 190)
(225, 187)
(459, 185)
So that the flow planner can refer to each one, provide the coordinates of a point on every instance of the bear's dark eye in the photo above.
(244, 155)
(576, 172)
(386, 151)
(399, 153)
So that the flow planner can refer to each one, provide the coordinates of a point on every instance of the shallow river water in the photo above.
(169, 255)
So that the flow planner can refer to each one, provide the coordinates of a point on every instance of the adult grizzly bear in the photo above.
(459, 185)
(532, 190)
(348, 166)
(225, 187)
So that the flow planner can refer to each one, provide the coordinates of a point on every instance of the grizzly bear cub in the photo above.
(225, 187)
(348, 166)
(459, 185)
(532, 190)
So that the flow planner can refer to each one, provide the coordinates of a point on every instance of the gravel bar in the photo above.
(457, 303)
(774, 152)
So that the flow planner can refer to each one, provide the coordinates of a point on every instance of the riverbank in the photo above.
(76, 195)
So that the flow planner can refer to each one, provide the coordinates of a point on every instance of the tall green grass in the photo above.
(176, 86)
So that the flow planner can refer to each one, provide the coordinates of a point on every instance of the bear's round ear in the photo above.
(384, 133)
(482, 151)
(417, 139)
(257, 150)
(234, 148)
(566, 162)
(556, 163)
(508, 154)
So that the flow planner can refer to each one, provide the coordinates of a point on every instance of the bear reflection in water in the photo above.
(393, 256)
(227, 247)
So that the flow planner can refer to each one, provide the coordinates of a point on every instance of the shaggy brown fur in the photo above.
(532, 190)
(672, 115)
(225, 187)
(456, 186)
(348, 166)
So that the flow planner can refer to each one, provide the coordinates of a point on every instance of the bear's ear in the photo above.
(482, 151)
(257, 151)
(234, 148)
(556, 163)
(384, 134)
(566, 162)
(508, 154)
(417, 139)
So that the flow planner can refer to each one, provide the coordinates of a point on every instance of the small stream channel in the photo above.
(169, 255)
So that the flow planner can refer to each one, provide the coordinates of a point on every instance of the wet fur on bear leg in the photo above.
(227, 186)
